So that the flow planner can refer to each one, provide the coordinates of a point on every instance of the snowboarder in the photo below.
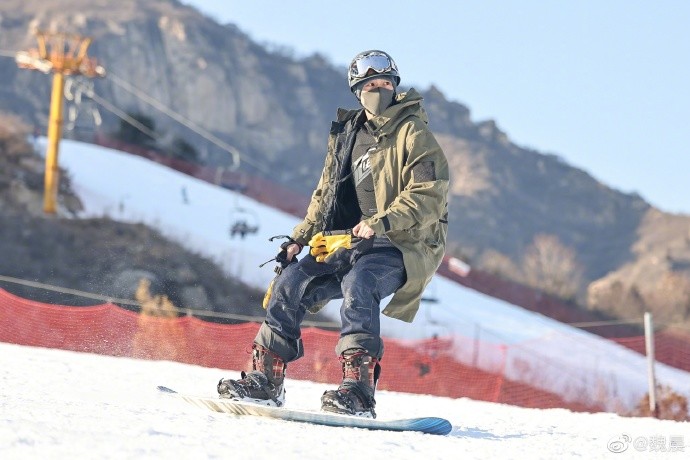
(376, 225)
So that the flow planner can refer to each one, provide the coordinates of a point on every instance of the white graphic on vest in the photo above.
(361, 168)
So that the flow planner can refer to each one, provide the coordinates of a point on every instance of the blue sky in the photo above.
(605, 85)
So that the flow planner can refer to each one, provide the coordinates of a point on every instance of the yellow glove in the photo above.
(324, 244)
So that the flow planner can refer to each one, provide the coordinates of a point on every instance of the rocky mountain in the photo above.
(514, 211)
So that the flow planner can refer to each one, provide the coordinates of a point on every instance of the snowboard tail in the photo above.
(429, 425)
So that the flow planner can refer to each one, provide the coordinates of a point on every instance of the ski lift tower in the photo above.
(60, 54)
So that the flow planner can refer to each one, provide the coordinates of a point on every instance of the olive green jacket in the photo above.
(410, 175)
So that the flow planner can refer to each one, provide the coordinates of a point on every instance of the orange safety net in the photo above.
(417, 366)
(669, 348)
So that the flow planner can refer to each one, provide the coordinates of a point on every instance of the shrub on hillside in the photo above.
(13, 137)
(671, 405)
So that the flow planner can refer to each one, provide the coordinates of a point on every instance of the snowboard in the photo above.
(429, 425)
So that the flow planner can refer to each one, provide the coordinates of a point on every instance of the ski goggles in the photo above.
(377, 62)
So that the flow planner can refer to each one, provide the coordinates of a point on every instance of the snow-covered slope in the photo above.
(57, 404)
(538, 351)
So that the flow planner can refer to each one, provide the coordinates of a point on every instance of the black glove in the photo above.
(281, 258)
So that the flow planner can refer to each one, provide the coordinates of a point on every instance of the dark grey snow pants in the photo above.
(361, 285)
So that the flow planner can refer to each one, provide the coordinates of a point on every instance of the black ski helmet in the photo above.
(371, 64)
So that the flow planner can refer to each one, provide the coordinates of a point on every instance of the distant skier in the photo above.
(376, 226)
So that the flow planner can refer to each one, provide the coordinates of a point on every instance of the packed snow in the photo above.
(57, 404)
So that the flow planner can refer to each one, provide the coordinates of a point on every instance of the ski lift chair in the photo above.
(244, 222)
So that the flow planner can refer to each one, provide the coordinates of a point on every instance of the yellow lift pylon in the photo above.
(60, 54)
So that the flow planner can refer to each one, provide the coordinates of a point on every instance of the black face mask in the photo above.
(377, 100)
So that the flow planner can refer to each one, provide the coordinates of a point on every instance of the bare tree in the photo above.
(670, 297)
(553, 267)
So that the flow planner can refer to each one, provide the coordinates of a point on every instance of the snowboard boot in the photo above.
(263, 385)
(355, 395)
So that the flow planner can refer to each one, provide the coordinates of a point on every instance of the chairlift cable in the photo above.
(121, 114)
(236, 155)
